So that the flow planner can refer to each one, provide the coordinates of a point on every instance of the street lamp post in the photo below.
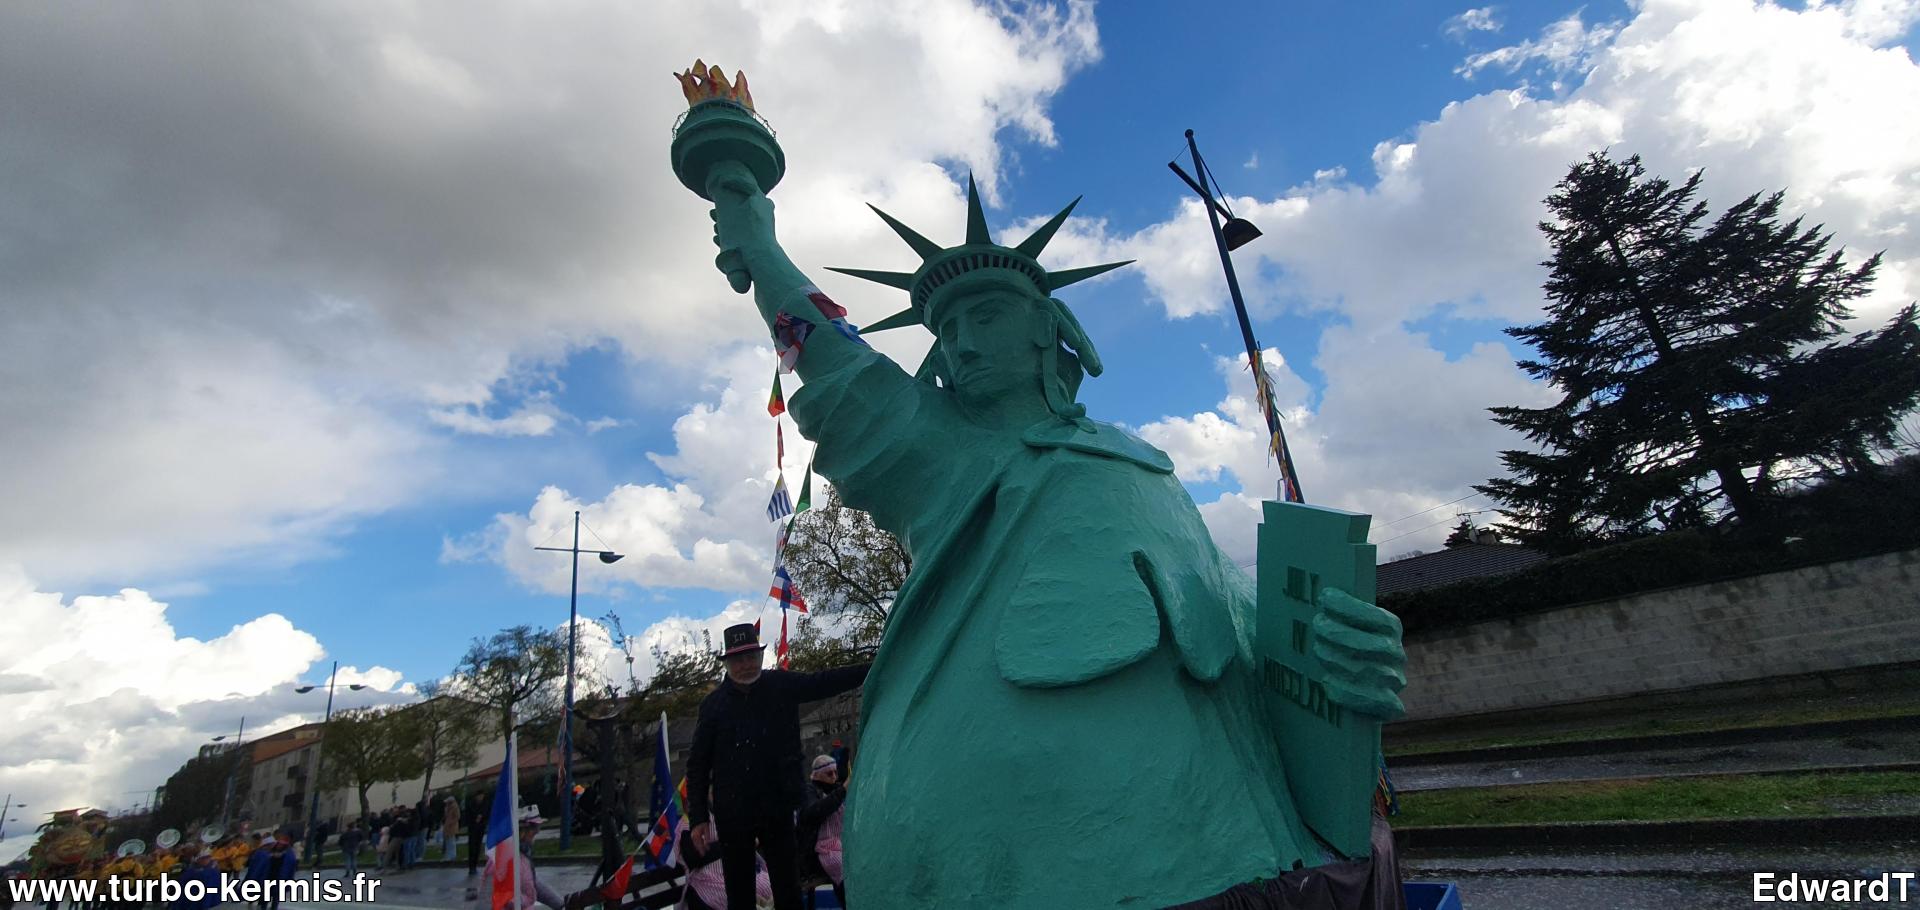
(4, 807)
(566, 724)
(226, 802)
(313, 808)
(1234, 234)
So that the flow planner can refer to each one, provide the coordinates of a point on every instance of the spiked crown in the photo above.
(940, 266)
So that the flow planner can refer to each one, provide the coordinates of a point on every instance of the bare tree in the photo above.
(621, 638)
(845, 565)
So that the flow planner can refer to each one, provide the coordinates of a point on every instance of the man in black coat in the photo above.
(476, 819)
(746, 757)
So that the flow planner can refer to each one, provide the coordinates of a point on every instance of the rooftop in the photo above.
(1442, 567)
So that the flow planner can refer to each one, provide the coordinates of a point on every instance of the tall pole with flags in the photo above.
(1235, 233)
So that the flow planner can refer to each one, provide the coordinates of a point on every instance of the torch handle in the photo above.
(731, 183)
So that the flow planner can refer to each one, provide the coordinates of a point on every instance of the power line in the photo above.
(1425, 527)
(1423, 512)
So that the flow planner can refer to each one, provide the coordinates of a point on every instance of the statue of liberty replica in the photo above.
(1079, 701)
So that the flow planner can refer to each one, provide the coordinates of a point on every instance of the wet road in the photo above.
(1859, 749)
(1553, 879)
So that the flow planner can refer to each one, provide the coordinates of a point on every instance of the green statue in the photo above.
(1068, 708)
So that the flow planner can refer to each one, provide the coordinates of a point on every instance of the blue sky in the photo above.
(322, 328)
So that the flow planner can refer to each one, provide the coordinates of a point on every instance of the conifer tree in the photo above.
(1462, 534)
(1697, 361)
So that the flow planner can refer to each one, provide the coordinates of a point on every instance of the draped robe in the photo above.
(1063, 711)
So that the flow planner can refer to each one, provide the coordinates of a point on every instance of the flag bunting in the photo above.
(836, 315)
(781, 505)
(784, 591)
(776, 405)
(789, 339)
(1276, 435)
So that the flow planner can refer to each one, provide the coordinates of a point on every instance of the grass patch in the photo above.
(1653, 724)
(1664, 799)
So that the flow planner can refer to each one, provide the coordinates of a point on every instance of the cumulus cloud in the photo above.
(102, 696)
(267, 266)
(704, 527)
(1384, 438)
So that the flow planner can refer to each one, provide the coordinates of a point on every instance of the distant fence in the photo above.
(1837, 616)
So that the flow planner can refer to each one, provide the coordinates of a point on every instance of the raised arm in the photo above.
(750, 254)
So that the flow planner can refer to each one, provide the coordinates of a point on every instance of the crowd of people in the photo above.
(244, 856)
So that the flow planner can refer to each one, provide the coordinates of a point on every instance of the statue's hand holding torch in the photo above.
(742, 220)
(723, 151)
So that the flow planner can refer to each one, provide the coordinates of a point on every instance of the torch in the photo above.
(720, 134)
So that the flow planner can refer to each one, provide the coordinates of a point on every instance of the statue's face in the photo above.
(989, 339)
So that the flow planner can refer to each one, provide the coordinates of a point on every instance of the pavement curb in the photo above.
(1873, 828)
(1690, 739)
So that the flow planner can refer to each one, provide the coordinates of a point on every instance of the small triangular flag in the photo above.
(616, 888)
(776, 405)
(805, 501)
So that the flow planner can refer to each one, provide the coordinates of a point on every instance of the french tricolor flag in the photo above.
(502, 835)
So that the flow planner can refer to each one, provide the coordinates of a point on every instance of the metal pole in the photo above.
(1233, 281)
(226, 802)
(1220, 240)
(566, 722)
(313, 809)
(4, 807)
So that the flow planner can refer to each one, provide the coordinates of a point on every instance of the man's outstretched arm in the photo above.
(828, 683)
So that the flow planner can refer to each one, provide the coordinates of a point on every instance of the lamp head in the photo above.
(356, 687)
(1238, 232)
(304, 689)
(611, 558)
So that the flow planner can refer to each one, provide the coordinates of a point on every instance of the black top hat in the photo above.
(741, 638)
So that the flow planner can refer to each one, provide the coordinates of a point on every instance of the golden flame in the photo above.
(709, 83)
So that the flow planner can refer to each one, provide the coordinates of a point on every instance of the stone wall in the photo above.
(1835, 617)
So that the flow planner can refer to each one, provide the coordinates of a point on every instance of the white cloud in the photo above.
(706, 527)
(1479, 19)
(1566, 45)
(103, 697)
(523, 421)
(1385, 438)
